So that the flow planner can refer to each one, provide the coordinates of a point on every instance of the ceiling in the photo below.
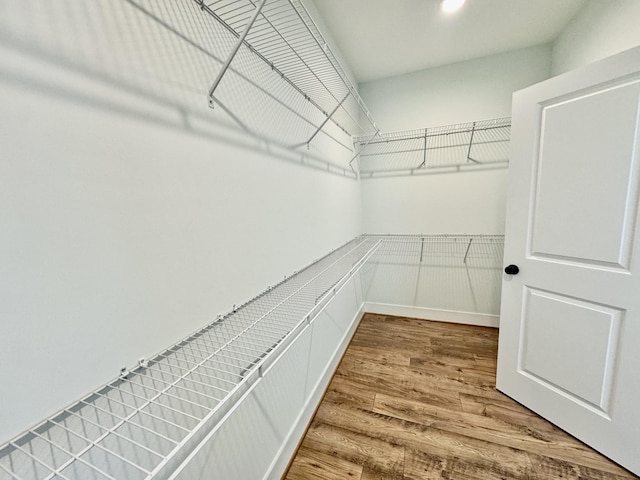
(384, 38)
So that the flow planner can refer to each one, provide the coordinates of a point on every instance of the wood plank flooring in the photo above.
(414, 400)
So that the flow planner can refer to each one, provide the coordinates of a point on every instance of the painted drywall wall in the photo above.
(601, 29)
(463, 202)
(459, 202)
(128, 223)
(461, 92)
(311, 7)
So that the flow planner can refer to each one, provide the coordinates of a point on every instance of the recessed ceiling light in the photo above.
(450, 6)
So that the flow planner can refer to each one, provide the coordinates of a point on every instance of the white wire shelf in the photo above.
(453, 249)
(166, 53)
(459, 273)
(281, 37)
(478, 144)
(144, 424)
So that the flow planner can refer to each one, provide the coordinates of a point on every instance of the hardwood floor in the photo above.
(414, 400)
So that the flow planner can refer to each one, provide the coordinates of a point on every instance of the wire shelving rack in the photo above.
(281, 89)
(306, 79)
(455, 147)
(145, 423)
(460, 273)
(446, 249)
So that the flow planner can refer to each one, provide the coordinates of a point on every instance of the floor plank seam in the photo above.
(415, 399)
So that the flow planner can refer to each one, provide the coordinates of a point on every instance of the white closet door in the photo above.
(570, 319)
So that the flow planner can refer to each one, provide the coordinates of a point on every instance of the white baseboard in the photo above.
(479, 319)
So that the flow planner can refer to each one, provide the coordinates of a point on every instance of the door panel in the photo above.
(570, 320)
(584, 194)
(570, 345)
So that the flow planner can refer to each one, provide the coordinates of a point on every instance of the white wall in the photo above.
(310, 5)
(460, 202)
(461, 92)
(463, 202)
(601, 29)
(126, 225)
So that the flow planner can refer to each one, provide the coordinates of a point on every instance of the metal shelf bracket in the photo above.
(234, 51)
(473, 130)
(328, 117)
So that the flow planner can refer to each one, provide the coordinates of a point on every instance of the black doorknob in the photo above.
(511, 270)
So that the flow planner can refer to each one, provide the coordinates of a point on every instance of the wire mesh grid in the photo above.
(447, 272)
(160, 49)
(140, 425)
(286, 42)
(478, 143)
(168, 51)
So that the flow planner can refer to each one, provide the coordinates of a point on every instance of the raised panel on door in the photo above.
(570, 345)
(585, 196)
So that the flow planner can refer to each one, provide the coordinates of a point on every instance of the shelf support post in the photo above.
(234, 51)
